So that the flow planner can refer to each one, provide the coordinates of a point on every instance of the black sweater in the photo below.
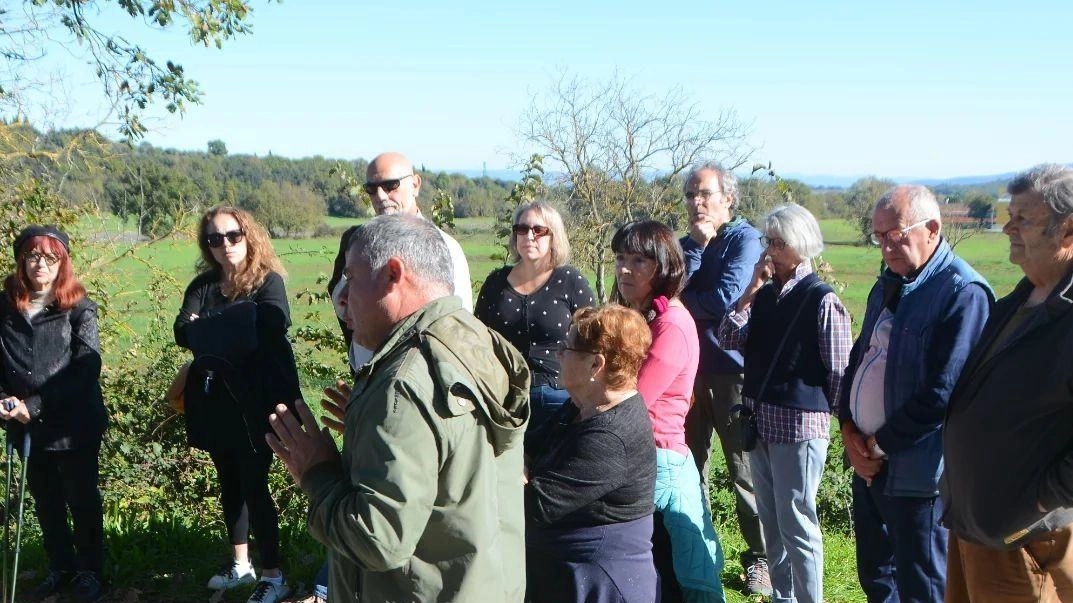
(534, 323)
(234, 413)
(594, 472)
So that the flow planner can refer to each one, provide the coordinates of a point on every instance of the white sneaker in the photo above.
(267, 592)
(232, 575)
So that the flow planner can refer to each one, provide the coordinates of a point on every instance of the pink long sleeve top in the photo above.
(667, 374)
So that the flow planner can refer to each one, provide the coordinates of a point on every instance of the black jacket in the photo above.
(1008, 439)
(231, 412)
(53, 364)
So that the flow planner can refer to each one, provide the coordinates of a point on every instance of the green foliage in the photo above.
(285, 209)
(130, 77)
(443, 211)
(860, 199)
(217, 148)
(160, 198)
(982, 208)
(530, 188)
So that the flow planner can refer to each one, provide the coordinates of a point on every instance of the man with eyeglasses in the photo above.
(393, 186)
(721, 251)
(922, 318)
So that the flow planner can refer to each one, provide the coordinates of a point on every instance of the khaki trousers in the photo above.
(1041, 571)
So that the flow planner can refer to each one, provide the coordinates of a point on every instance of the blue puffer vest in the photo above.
(915, 470)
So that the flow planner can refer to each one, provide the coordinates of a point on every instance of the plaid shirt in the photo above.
(779, 424)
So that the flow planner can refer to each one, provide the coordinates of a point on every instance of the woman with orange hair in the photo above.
(592, 471)
(50, 350)
(235, 318)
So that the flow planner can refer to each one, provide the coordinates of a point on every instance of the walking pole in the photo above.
(18, 524)
(10, 451)
(9, 405)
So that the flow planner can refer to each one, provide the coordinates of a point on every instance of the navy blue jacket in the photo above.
(718, 275)
(938, 320)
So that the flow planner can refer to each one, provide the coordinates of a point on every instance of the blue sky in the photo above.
(898, 89)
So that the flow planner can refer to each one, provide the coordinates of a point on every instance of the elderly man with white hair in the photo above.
(795, 335)
(1008, 441)
(923, 317)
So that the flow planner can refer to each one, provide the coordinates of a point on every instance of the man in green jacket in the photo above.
(425, 501)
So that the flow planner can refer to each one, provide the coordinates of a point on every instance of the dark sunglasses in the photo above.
(521, 230)
(216, 239)
(389, 185)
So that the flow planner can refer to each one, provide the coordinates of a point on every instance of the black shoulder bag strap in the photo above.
(746, 417)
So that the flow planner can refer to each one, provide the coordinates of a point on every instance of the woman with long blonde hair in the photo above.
(235, 318)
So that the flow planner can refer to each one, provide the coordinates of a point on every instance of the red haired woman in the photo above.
(50, 352)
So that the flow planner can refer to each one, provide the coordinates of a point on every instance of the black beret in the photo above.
(37, 230)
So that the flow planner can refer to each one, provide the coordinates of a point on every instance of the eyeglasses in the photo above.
(389, 185)
(704, 194)
(521, 230)
(216, 239)
(564, 346)
(34, 257)
(776, 242)
(895, 235)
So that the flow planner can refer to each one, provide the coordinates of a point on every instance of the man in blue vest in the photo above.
(721, 251)
(923, 317)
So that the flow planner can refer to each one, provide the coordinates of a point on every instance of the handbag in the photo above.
(176, 394)
(747, 428)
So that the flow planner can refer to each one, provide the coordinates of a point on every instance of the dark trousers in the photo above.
(62, 481)
(247, 502)
(713, 397)
(901, 548)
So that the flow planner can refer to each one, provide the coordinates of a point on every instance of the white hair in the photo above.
(1052, 182)
(922, 203)
(798, 227)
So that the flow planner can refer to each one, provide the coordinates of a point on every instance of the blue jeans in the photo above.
(901, 548)
(320, 583)
(544, 402)
(786, 478)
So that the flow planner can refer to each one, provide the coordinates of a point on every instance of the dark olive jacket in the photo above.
(53, 363)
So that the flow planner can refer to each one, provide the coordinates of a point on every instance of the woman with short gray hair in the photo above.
(795, 335)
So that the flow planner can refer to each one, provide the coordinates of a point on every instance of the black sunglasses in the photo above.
(388, 185)
(216, 239)
(521, 230)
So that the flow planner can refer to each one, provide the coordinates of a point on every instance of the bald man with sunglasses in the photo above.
(393, 186)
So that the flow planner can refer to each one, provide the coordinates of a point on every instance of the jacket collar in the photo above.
(409, 326)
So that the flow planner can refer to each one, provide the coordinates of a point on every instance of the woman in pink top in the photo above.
(649, 274)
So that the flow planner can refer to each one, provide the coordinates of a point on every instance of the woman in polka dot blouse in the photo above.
(531, 302)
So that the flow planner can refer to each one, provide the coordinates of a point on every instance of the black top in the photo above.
(594, 472)
(798, 376)
(534, 323)
(227, 404)
(52, 362)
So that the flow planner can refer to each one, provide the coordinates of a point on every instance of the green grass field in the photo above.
(176, 572)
